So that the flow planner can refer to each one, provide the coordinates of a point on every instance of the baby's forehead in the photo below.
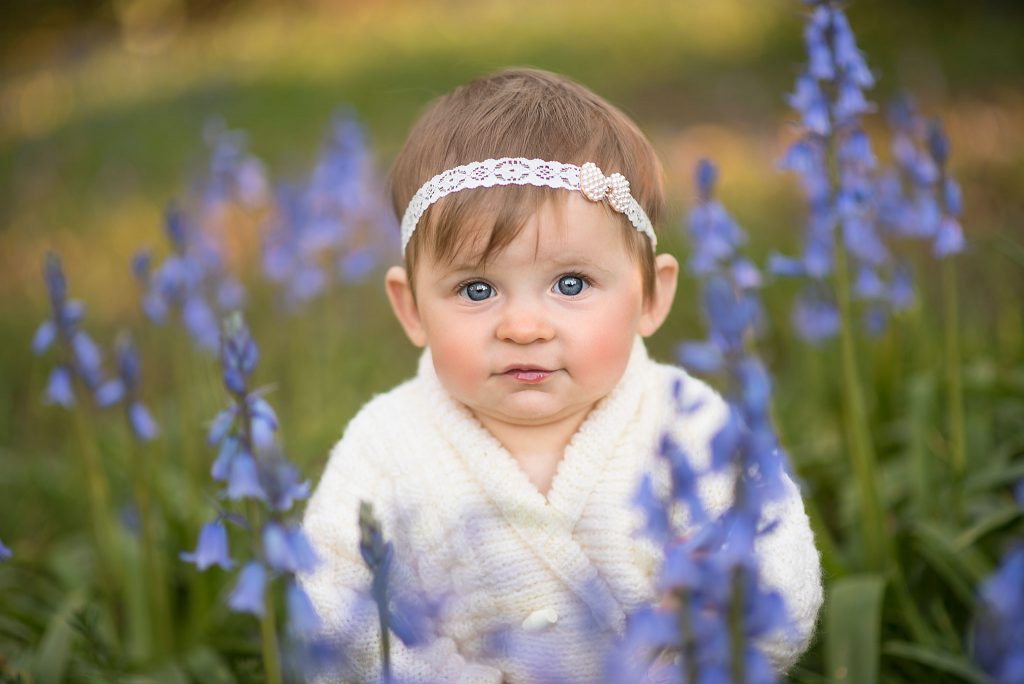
(536, 246)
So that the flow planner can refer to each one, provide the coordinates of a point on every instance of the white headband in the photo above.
(587, 179)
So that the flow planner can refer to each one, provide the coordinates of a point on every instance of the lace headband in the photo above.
(587, 179)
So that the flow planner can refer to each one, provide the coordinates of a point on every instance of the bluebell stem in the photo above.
(714, 606)
(333, 226)
(922, 201)
(5, 553)
(998, 631)
(252, 468)
(405, 614)
(835, 162)
(81, 357)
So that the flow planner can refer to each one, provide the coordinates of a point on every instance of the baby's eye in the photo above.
(571, 285)
(477, 290)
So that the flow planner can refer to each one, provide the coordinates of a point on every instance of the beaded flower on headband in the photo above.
(587, 179)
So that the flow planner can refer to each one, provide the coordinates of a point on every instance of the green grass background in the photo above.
(95, 141)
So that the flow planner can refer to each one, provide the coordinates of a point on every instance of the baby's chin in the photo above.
(533, 408)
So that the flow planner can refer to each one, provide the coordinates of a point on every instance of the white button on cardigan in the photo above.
(539, 620)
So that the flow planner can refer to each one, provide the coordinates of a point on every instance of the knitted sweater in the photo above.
(553, 576)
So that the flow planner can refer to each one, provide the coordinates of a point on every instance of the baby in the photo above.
(504, 470)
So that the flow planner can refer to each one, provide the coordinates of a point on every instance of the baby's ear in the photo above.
(399, 289)
(656, 308)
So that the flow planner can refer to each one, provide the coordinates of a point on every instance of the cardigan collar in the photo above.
(546, 523)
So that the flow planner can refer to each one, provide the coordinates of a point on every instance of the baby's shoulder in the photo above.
(386, 427)
(692, 411)
(678, 389)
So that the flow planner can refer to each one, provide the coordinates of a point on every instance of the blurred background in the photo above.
(106, 112)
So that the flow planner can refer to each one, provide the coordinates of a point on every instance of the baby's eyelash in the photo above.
(576, 274)
(468, 281)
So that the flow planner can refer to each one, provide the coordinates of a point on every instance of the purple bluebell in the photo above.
(335, 216)
(715, 236)
(250, 589)
(79, 356)
(999, 622)
(281, 481)
(126, 388)
(710, 571)
(5, 553)
(59, 389)
(302, 617)
(405, 613)
(243, 480)
(234, 176)
(287, 549)
(843, 194)
(212, 548)
(192, 281)
(815, 316)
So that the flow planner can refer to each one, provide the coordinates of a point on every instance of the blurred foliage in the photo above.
(100, 127)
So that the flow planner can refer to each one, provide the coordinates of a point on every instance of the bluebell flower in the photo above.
(335, 216)
(191, 281)
(830, 96)
(999, 623)
(243, 479)
(404, 613)
(302, 617)
(81, 357)
(126, 388)
(281, 481)
(233, 174)
(249, 591)
(212, 548)
(710, 571)
(59, 389)
(815, 318)
(5, 553)
(287, 549)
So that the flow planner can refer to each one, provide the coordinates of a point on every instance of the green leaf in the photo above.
(960, 574)
(853, 618)
(940, 661)
(991, 522)
(55, 649)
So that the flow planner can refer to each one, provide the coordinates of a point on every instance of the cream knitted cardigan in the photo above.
(550, 574)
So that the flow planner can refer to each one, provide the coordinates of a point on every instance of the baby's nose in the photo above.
(525, 323)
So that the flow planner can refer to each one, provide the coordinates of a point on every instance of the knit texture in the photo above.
(534, 586)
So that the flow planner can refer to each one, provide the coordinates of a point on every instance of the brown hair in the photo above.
(520, 112)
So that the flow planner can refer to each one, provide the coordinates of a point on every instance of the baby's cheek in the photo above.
(608, 348)
(455, 367)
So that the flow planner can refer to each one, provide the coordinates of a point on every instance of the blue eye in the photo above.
(477, 290)
(570, 285)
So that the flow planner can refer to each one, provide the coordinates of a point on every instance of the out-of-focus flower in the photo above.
(710, 574)
(999, 623)
(80, 357)
(249, 592)
(5, 553)
(212, 548)
(842, 194)
(126, 388)
(334, 226)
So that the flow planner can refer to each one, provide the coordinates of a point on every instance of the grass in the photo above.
(93, 148)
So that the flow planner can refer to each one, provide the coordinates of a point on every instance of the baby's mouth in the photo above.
(528, 375)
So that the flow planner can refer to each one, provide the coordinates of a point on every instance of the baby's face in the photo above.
(542, 332)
